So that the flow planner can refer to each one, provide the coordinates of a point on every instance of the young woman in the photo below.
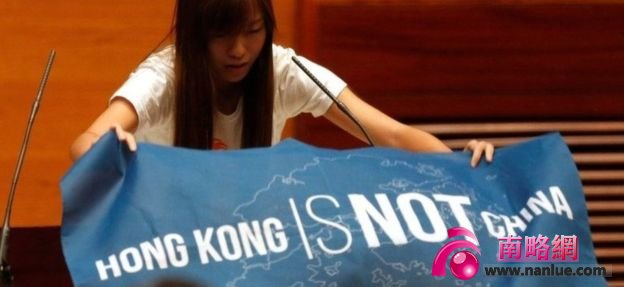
(225, 85)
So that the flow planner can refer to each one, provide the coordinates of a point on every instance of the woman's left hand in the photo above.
(478, 147)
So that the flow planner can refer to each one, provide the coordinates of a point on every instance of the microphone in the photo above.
(5, 270)
(338, 103)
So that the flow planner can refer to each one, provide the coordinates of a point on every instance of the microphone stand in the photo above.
(6, 277)
(343, 108)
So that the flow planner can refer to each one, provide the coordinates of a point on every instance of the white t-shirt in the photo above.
(150, 89)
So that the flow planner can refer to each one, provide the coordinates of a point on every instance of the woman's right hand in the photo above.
(126, 136)
(87, 139)
(120, 116)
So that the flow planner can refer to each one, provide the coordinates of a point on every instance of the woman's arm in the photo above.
(386, 131)
(119, 115)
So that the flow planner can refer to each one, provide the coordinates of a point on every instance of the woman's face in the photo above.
(233, 55)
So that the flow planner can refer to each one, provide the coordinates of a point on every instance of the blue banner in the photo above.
(296, 215)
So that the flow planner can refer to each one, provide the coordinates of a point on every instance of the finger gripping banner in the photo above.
(296, 215)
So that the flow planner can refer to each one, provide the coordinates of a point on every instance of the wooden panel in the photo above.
(98, 44)
(597, 191)
(607, 237)
(483, 60)
(470, 61)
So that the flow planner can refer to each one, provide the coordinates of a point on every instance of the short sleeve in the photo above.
(150, 88)
(296, 92)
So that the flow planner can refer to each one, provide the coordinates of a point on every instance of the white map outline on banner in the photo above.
(396, 186)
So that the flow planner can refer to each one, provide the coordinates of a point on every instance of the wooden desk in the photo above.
(36, 257)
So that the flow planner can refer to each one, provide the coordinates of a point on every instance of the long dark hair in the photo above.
(194, 24)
